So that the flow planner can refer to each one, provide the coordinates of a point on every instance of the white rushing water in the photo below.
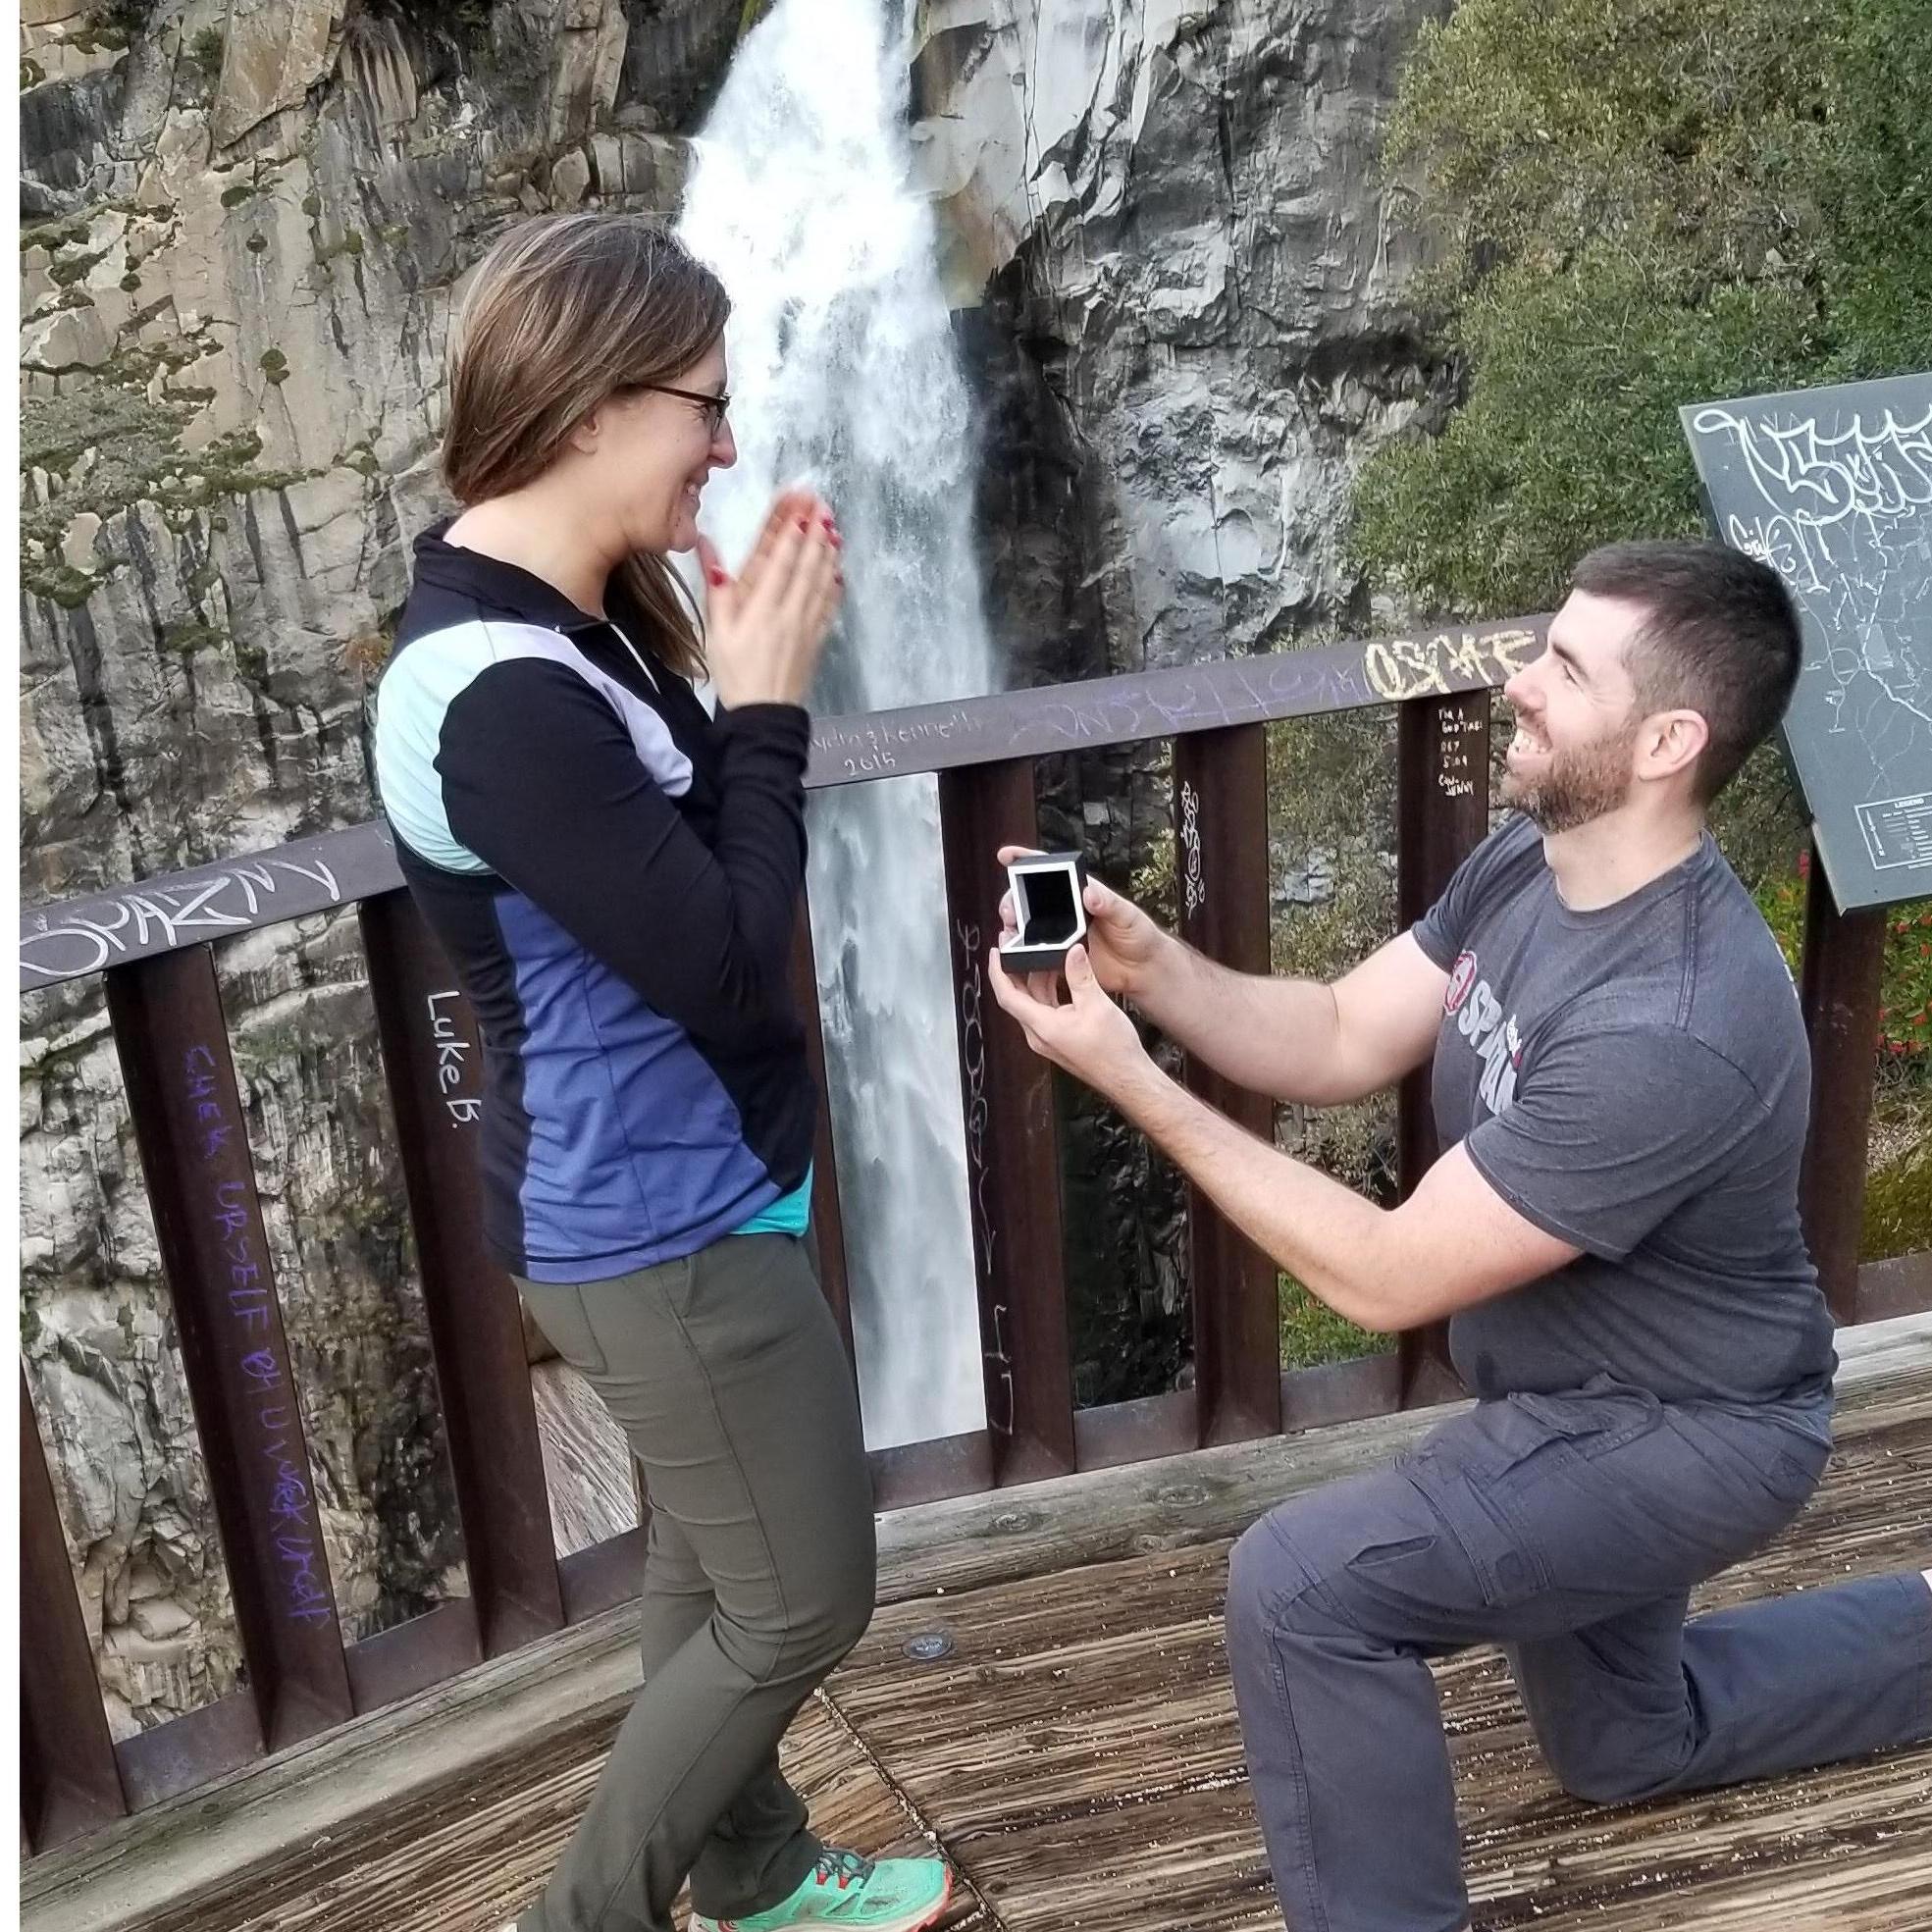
(843, 374)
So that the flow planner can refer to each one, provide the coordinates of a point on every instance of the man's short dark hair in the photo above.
(1720, 637)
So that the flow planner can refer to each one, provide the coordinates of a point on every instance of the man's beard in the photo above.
(1577, 786)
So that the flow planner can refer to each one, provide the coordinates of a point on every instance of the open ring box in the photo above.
(1049, 910)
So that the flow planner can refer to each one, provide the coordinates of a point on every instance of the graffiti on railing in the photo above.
(869, 749)
(1454, 777)
(277, 1458)
(973, 1058)
(451, 1051)
(134, 921)
(1235, 691)
(204, 1094)
(1194, 884)
(1401, 668)
(291, 1508)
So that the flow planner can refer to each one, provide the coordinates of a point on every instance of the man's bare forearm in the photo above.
(1273, 1037)
(1324, 1234)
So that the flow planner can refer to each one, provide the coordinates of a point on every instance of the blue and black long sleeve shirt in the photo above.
(615, 877)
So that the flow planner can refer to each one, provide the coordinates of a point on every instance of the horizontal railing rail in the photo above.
(152, 945)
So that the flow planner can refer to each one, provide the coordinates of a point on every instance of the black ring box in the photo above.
(1049, 910)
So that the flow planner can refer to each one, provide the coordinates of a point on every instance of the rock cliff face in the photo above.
(243, 219)
(1188, 332)
(243, 225)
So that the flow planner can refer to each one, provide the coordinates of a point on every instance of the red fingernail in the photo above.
(804, 525)
(834, 539)
(717, 576)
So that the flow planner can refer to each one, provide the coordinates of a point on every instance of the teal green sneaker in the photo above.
(845, 1893)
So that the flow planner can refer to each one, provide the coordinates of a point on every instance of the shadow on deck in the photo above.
(1076, 1752)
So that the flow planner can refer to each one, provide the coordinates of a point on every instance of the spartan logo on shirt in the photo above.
(1479, 1017)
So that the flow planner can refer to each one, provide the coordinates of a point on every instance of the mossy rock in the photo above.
(275, 366)
(55, 236)
(235, 196)
(31, 74)
(257, 244)
(71, 269)
(138, 459)
(59, 582)
(190, 635)
(99, 36)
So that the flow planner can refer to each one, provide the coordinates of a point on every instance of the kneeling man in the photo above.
(1621, 1079)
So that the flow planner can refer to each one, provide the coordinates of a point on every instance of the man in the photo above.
(1621, 1080)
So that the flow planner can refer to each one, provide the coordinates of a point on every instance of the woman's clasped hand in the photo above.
(765, 628)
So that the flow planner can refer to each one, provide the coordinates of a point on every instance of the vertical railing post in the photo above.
(827, 1220)
(1221, 872)
(434, 1059)
(69, 1780)
(1013, 1154)
(1441, 815)
(1840, 976)
(173, 1040)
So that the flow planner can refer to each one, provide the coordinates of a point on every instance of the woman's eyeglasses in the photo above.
(713, 406)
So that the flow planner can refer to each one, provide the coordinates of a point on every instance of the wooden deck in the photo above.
(1075, 1753)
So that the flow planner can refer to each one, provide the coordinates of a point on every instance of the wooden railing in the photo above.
(153, 944)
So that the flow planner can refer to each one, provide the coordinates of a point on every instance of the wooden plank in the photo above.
(172, 1037)
(182, 1754)
(409, 1657)
(1078, 1748)
(827, 1217)
(606, 1576)
(925, 1472)
(434, 1059)
(76, 938)
(1013, 1150)
(464, 1858)
(1341, 1391)
(1902, 1286)
(1221, 845)
(1144, 1429)
(69, 1783)
(1130, 708)
(1441, 815)
(587, 1460)
(1844, 960)
(513, 1704)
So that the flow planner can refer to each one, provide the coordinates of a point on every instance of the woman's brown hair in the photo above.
(562, 311)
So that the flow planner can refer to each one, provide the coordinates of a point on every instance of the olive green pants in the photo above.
(727, 1374)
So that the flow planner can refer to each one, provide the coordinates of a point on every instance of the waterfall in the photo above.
(843, 375)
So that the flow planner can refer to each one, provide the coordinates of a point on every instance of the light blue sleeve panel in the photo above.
(412, 705)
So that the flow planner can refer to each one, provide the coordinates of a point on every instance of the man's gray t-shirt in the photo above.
(1635, 1082)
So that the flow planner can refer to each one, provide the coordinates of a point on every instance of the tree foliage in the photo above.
(1639, 203)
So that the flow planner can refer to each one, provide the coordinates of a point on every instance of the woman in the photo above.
(615, 875)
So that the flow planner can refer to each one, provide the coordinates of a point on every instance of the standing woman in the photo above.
(615, 874)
